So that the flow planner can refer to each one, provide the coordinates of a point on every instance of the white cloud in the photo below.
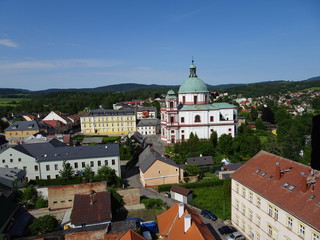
(56, 64)
(8, 43)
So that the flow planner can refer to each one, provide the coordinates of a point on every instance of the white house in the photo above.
(13, 178)
(44, 160)
(192, 112)
(148, 126)
(181, 194)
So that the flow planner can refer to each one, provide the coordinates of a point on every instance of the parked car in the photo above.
(235, 236)
(226, 230)
(209, 215)
(137, 220)
(150, 226)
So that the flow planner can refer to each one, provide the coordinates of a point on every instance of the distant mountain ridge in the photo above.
(251, 88)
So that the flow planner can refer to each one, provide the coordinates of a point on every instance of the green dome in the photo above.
(193, 85)
(171, 94)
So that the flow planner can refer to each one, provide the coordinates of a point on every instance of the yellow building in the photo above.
(108, 122)
(20, 130)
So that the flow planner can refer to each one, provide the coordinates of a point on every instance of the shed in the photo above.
(181, 194)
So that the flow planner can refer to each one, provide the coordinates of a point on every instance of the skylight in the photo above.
(292, 187)
(258, 170)
(263, 174)
(312, 197)
(285, 185)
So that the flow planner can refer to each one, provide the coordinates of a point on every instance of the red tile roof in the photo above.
(54, 123)
(131, 235)
(172, 227)
(279, 183)
(93, 207)
(181, 190)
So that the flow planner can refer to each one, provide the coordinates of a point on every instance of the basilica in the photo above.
(193, 112)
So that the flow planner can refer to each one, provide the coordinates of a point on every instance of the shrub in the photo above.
(43, 225)
(152, 203)
(164, 187)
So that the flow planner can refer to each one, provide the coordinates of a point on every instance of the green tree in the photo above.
(88, 174)
(214, 138)
(225, 144)
(67, 171)
(259, 124)
(41, 202)
(192, 170)
(28, 196)
(44, 224)
(108, 174)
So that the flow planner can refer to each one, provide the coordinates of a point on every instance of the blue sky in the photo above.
(86, 44)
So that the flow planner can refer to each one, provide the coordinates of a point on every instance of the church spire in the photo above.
(193, 70)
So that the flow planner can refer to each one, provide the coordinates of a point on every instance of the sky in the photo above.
(91, 43)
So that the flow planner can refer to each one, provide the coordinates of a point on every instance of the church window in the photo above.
(183, 99)
(195, 99)
(197, 118)
(182, 119)
(171, 104)
(205, 98)
(211, 118)
(182, 137)
(171, 119)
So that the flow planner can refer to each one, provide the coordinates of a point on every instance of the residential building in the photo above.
(20, 130)
(181, 222)
(109, 122)
(55, 115)
(181, 194)
(148, 126)
(4, 144)
(91, 209)
(276, 198)
(63, 196)
(156, 169)
(12, 177)
(44, 160)
(228, 169)
(192, 112)
(200, 161)
(146, 112)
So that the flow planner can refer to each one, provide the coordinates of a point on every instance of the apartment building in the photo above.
(276, 198)
(108, 122)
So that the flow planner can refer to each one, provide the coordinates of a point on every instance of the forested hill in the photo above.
(274, 87)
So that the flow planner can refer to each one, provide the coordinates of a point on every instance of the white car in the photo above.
(235, 236)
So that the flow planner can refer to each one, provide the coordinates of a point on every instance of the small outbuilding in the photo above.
(181, 194)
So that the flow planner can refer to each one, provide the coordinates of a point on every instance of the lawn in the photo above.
(145, 214)
(11, 101)
(212, 198)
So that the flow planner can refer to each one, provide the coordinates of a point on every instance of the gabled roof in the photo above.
(93, 207)
(233, 166)
(25, 126)
(110, 112)
(149, 156)
(148, 122)
(200, 161)
(172, 227)
(181, 190)
(260, 175)
(131, 235)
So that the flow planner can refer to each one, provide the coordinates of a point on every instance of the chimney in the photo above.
(303, 182)
(92, 196)
(187, 222)
(277, 174)
(181, 209)
(315, 143)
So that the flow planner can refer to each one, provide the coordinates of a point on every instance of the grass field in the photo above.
(11, 101)
(145, 214)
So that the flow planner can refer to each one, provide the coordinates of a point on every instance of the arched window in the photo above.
(197, 118)
(183, 100)
(195, 99)
(172, 119)
(171, 104)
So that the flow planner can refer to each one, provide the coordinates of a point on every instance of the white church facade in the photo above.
(192, 112)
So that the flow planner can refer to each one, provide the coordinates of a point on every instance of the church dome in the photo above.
(193, 84)
(171, 94)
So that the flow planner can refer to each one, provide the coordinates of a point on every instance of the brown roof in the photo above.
(131, 235)
(181, 190)
(172, 227)
(279, 183)
(93, 207)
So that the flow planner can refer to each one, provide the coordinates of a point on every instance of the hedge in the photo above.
(57, 181)
(203, 183)
(152, 203)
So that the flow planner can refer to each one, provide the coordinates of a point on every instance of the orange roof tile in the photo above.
(172, 227)
(131, 235)
(279, 183)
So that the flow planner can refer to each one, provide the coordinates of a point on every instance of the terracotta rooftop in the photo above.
(131, 235)
(181, 190)
(278, 179)
(93, 207)
(172, 227)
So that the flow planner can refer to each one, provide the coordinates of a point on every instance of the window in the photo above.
(244, 192)
(195, 99)
(250, 214)
(56, 167)
(289, 222)
(237, 204)
(237, 219)
(182, 137)
(258, 202)
(19, 159)
(172, 119)
(315, 236)
(257, 236)
(243, 226)
(171, 104)
(197, 118)
(106, 162)
(75, 165)
(11, 160)
(3, 161)
(258, 220)
(91, 164)
(182, 119)
(270, 230)
(276, 214)
(183, 99)
(270, 210)
(48, 167)
(243, 209)
(83, 164)
(37, 177)
(57, 176)
(237, 188)
(99, 163)
(48, 177)
(301, 230)
(113, 162)
(211, 118)
(250, 196)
